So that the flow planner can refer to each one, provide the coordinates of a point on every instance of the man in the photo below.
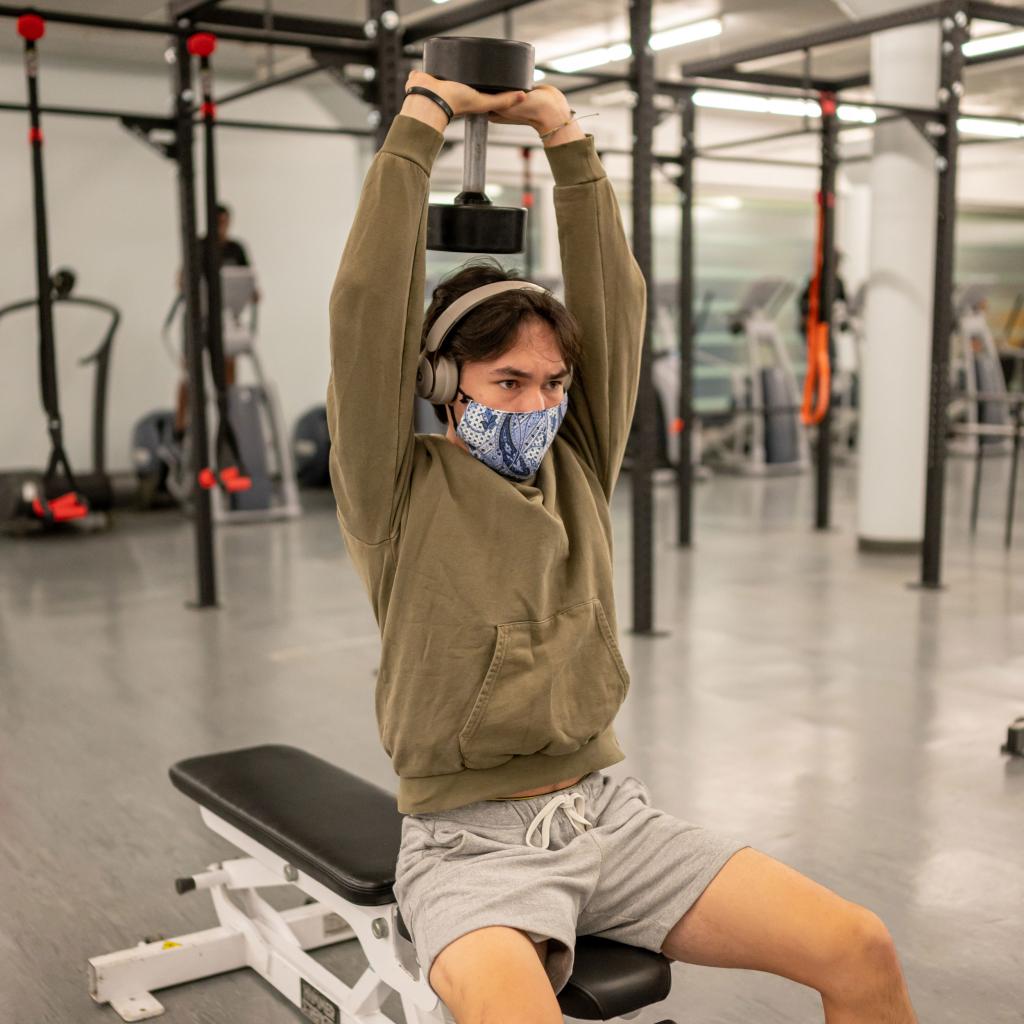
(232, 254)
(486, 553)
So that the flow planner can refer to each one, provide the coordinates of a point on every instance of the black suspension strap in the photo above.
(71, 504)
(230, 472)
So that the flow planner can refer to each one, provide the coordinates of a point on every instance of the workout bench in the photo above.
(303, 822)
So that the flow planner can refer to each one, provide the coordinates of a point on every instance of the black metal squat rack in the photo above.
(386, 45)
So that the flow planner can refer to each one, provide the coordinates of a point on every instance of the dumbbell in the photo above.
(473, 223)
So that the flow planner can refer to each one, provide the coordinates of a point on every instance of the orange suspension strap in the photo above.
(818, 381)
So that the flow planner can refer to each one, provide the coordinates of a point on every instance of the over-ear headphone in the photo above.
(437, 377)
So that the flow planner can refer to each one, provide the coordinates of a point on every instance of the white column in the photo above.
(853, 226)
(896, 355)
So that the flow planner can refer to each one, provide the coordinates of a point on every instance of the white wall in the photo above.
(113, 217)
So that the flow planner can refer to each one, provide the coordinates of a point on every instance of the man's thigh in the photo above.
(758, 914)
(495, 973)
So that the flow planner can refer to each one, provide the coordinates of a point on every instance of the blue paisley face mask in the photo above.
(513, 443)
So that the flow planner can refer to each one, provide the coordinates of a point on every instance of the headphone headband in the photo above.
(462, 305)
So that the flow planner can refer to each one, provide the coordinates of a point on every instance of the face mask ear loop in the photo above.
(450, 409)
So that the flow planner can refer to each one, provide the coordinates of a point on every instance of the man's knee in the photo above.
(862, 955)
(496, 975)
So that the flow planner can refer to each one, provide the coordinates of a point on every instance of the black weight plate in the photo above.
(483, 229)
(488, 65)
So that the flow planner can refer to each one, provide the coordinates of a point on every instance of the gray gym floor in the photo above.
(804, 699)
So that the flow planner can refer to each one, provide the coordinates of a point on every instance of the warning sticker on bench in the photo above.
(317, 1007)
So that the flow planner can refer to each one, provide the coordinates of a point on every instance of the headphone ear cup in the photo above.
(446, 380)
(425, 377)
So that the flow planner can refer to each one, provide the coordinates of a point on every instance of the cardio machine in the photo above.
(978, 383)
(764, 435)
(665, 377)
(58, 495)
(163, 463)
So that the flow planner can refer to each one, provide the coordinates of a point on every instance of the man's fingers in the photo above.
(501, 101)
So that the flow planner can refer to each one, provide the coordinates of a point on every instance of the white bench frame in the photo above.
(273, 943)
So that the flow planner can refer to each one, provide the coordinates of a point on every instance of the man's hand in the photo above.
(547, 111)
(542, 108)
(461, 98)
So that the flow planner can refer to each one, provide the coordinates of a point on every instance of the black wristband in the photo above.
(418, 90)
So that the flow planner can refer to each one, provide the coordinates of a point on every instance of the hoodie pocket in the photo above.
(552, 686)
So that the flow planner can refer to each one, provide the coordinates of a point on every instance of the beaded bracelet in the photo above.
(547, 135)
(418, 90)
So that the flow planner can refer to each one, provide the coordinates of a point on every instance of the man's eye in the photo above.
(502, 383)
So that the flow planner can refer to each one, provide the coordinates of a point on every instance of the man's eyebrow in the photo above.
(512, 371)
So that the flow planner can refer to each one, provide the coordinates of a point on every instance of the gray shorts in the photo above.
(613, 866)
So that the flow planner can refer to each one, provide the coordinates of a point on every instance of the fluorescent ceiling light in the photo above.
(730, 101)
(664, 40)
(684, 34)
(851, 112)
(712, 99)
(725, 202)
(993, 44)
(992, 129)
(782, 105)
(592, 58)
(793, 107)
(751, 104)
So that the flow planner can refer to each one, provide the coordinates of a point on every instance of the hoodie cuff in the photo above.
(414, 140)
(576, 162)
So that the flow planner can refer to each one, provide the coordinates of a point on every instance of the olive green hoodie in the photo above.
(500, 670)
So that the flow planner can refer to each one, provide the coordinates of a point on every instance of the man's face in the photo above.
(527, 378)
(223, 223)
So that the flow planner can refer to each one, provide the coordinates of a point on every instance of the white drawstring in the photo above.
(573, 804)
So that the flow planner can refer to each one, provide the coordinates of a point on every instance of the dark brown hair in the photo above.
(491, 329)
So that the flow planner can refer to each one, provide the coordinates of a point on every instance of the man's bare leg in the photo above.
(761, 915)
(495, 975)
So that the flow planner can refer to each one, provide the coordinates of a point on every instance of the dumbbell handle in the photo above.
(474, 168)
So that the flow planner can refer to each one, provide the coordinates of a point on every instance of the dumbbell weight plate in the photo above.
(488, 65)
(476, 228)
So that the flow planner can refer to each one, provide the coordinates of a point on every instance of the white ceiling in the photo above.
(552, 25)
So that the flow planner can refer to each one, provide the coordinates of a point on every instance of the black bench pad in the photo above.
(345, 832)
(610, 979)
(334, 826)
